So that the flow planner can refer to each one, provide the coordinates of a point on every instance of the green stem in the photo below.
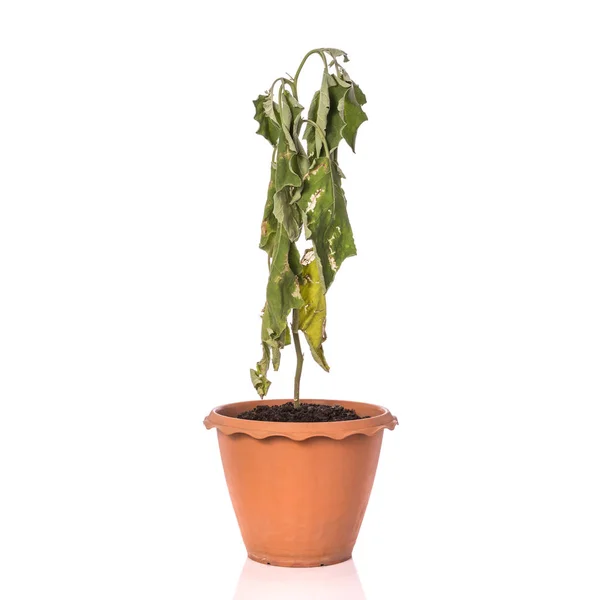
(295, 80)
(299, 357)
(321, 135)
(284, 80)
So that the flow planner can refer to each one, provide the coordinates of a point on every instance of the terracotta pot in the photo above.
(300, 490)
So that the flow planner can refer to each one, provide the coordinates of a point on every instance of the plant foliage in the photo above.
(305, 193)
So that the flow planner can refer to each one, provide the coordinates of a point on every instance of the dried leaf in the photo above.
(259, 375)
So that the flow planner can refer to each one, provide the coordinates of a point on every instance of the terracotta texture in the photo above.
(300, 490)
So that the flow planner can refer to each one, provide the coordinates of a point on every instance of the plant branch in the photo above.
(294, 82)
(299, 357)
(321, 135)
(283, 80)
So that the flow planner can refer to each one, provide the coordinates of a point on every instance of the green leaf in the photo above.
(294, 124)
(294, 121)
(339, 239)
(287, 120)
(309, 132)
(323, 108)
(360, 97)
(287, 187)
(354, 115)
(283, 293)
(271, 108)
(294, 260)
(335, 117)
(276, 358)
(259, 375)
(312, 316)
(268, 227)
(286, 211)
(335, 52)
(337, 89)
(286, 167)
(324, 203)
(267, 119)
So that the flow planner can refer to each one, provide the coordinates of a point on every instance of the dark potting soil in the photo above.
(306, 413)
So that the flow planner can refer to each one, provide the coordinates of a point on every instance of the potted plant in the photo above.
(300, 473)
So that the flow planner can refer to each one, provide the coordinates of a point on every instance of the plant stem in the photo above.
(299, 357)
(321, 135)
(283, 80)
(295, 80)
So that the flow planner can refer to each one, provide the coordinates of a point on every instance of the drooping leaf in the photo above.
(323, 108)
(312, 316)
(360, 97)
(340, 173)
(268, 227)
(276, 358)
(301, 162)
(339, 239)
(335, 122)
(335, 119)
(294, 260)
(309, 132)
(335, 52)
(286, 211)
(354, 115)
(292, 121)
(259, 375)
(285, 339)
(324, 203)
(283, 293)
(271, 108)
(286, 167)
(317, 204)
(287, 120)
(268, 125)
(288, 183)
(260, 382)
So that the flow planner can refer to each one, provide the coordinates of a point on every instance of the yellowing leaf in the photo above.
(312, 316)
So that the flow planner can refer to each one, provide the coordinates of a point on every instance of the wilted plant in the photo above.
(305, 192)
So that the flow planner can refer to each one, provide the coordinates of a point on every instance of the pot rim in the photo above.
(224, 420)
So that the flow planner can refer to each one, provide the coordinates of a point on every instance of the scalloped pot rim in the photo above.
(223, 418)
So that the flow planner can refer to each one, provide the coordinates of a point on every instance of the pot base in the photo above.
(298, 563)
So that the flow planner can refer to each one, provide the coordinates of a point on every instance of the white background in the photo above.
(132, 187)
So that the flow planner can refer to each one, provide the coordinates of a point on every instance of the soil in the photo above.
(306, 413)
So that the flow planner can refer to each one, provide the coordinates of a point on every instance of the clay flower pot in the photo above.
(300, 490)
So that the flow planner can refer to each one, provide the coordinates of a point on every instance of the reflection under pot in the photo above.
(262, 582)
